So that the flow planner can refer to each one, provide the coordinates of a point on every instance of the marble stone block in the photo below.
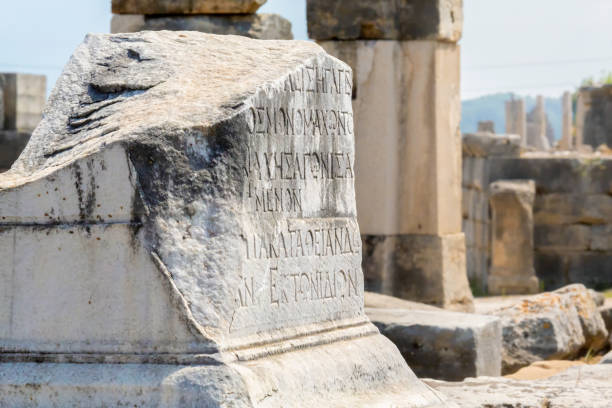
(24, 99)
(516, 119)
(258, 26)
(182, 224)
(186, 6)
(512, 270)
(385, 20)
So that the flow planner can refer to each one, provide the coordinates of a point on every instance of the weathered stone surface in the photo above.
(593, 326)
(564, 209)
(11, 146)
(512, 272)
(424, 268)
(380, 301)
(584, 386)
(541, 327)
(162, 235)
(516, 119)
(388, 20)
(607, 359)
(485, 145)
(593, 121)
(258, 26)
(24, 99)
(562, 237)
(598, 297)
(487, 126)
(567, 122)
(186, 6)
(606, 315)
(443, 345)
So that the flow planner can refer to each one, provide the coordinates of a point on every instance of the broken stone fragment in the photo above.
(258, 26)
(186, 6)
(385, 20)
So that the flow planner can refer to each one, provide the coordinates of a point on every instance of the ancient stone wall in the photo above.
(594, 116)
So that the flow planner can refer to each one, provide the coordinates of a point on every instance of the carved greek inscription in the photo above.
(266, 120)
(298, 166)
(315, 79)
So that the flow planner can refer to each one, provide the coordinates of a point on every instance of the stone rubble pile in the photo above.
(236, 17)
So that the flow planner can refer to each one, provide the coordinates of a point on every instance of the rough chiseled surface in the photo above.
(584, 386)
(552, 325)
(386, 20)
(441, 344)
(190, 200)
(258, 26)
(186, 6)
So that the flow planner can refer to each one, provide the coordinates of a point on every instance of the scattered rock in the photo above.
(607, 359)
(186, 6)
(442, 344)
(584, 386)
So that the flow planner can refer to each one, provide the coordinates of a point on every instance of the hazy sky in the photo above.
(525, 46)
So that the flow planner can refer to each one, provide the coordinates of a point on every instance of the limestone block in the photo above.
(593, 325)
(187, 206)
(512, 271)
(486, 126)
(541, 327)
(380, 301)
(388, 20)
(186, 6)
(567, 122)
(423, 268)
(24, 99)
(587, 174)
(606, 315)
(407, 113)
(485, 145)
(562, 237)
(11, 146)
(564, 209)
(443, 345)
(258, 26)
(601, 238)
(607, 359)
(593, 117)
(516, 119)
(582, 386)
(591, 268)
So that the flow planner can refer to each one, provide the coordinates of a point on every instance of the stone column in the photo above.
(567, 122)
(22, 99)
(407, 106)
(236, 17)
(536, 126)
(516, 119)
(512, 271)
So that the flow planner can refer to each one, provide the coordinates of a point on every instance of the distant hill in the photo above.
(492, 107)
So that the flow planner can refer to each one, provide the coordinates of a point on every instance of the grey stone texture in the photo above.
(593, 116)
(607, 359)
(385, 20)
(487, 126)
(12, 144)
(257, 26)
(380, 301)
(516, 119)
(408, 266)
(443, 345)
(549, 326)
(24, 98)
(537, 135)
(511, 208)
(584, 386)
(186, 6)
(606, 315)
(171, 261)
(567, 122)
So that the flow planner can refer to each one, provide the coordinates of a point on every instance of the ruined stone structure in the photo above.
(572, 212)
(511, 203)
(594, 116)
(405, 60)
(486, 126)
(516, 119)
(235, 17)
(22, 99)
(537, 135)
(567, 137)
(189, 199)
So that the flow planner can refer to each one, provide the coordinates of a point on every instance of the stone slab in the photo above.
(188, 199)
(407, 113)
(12, 144)
(573, 208)
(186, 6)
(583, 386)
(443, 345)
(389, 20)
(24, 99)
(422, 268)
(486, 144)
(380, 301)
(258, 26)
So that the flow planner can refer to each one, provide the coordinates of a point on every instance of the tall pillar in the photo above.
(516, 119)
(236, 17)
(536, 126)
(407, 107)
(567, 122)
